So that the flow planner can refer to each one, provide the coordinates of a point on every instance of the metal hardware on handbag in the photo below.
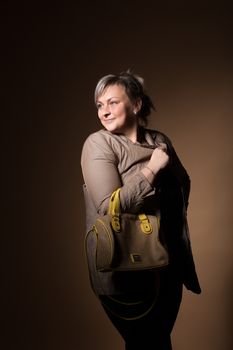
(127, 242)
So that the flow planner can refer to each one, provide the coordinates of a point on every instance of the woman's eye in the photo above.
(113, 102)
(98, 106)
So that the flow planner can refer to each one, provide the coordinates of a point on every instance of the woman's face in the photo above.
(116, 111)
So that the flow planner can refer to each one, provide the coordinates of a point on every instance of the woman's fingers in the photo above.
(162, 146)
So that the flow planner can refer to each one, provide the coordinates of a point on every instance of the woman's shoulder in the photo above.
(106, 138)
(99, 142)
(101, 135)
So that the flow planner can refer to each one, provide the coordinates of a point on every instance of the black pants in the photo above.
(153, 330)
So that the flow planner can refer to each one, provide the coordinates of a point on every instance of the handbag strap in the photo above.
(114, 203)
(114, 211)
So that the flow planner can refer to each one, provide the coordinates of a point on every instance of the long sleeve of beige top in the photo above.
(111, 161)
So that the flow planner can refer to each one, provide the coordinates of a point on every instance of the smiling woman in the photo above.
(142, 305)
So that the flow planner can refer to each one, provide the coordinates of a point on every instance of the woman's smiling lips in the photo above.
(108, 120)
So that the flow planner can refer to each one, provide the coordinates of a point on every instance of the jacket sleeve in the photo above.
(99, 165)
(181, 174)
(177, 168)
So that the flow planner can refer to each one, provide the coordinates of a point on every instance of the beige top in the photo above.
(110, 161)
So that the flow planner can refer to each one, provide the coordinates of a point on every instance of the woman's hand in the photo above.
(159, 158)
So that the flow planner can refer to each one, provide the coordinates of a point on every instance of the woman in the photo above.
(143, 305)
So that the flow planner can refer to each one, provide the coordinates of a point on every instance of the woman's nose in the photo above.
(106, 114)
(106, 111)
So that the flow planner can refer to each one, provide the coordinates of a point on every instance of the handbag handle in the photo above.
(114, 211)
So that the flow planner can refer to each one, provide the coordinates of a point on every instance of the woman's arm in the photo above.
(101, 176)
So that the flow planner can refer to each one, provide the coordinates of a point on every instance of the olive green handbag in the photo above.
(127, 242)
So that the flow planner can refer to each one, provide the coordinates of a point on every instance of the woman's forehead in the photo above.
(115, 90)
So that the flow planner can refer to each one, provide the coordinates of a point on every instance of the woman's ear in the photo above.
(137, 106)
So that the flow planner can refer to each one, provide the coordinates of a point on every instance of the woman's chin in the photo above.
(111, 129)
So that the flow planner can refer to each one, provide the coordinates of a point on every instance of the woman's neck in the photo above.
(134, 134)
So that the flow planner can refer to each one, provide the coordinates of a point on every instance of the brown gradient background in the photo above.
(52, 59)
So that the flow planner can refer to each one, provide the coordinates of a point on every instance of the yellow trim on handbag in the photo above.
(114, 211)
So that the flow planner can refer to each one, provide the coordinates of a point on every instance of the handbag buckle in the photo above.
(145, 224)
(116, 223)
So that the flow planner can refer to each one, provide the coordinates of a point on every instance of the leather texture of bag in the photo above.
(127, 242)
